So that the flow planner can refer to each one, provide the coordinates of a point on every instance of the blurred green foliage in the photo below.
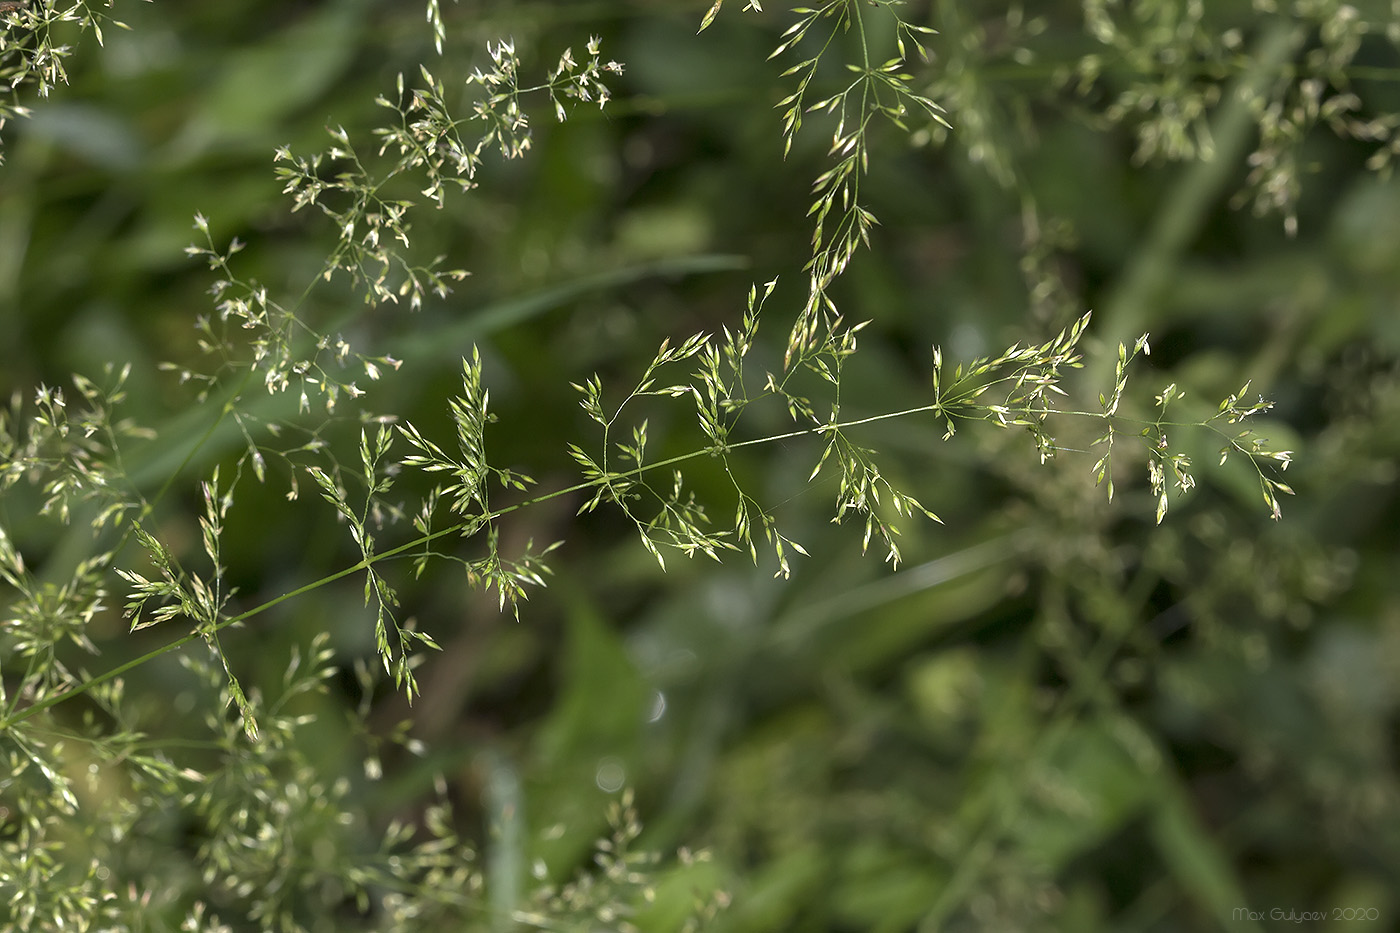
(1057, 715)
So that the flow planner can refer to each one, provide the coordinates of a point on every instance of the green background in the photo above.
(1056, 715)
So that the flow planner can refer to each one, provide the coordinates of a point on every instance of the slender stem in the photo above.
(477, 521)
(366, 563)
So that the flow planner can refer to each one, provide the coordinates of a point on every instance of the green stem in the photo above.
(368, 562)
